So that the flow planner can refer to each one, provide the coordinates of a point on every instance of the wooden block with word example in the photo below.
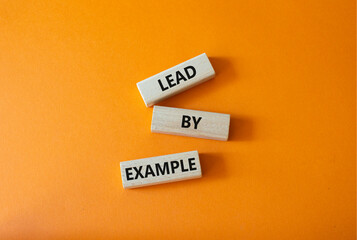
(176, 79)
(161, 169)
(192, 123)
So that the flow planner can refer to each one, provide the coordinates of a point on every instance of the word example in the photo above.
(161, 169)
(191, 123)
(176, 79)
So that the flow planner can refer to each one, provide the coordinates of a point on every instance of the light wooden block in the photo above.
(192, 123)
(176, 79)
(161, 169)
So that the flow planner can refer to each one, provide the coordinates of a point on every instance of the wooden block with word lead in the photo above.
(176, 79)
(161, 169)
(192, 123)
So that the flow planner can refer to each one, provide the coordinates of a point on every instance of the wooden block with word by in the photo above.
(192, 123)
(176, 79)
(161, 169)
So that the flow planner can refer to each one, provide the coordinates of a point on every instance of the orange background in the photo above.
(70, 112)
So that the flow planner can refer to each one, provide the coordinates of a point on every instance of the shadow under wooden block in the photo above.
(241, 129)
(212, 165)
(223, 67)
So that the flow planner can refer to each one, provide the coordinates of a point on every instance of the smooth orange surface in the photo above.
(70, 112)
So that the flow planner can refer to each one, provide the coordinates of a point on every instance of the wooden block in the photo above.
(192, 123)
(176, 79)
(161, 169)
